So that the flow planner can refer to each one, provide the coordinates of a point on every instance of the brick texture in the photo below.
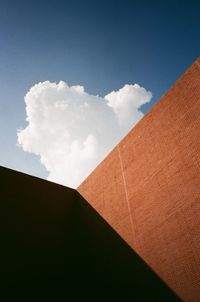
(148, 188)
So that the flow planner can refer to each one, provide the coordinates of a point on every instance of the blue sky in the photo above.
(101, 45)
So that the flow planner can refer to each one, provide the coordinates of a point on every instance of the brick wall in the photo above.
(148, 188)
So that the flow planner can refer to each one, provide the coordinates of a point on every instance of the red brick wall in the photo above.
(148, 188)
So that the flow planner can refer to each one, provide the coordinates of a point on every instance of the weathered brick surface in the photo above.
(148, 188)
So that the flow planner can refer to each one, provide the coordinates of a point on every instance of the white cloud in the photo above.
(125, 103)
(72, 131)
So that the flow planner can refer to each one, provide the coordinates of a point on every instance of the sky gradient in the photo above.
(101, 45)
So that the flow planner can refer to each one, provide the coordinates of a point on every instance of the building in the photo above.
(148, 188)
(134, 234)
(56, 247)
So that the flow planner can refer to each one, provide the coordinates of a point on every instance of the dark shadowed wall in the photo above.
(56, 247)
(148, 188)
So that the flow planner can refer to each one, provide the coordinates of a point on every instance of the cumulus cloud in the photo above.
(72, 131)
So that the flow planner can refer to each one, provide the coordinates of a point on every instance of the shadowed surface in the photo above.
(54, 245)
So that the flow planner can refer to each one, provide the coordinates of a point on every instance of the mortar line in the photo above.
(126, 192)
